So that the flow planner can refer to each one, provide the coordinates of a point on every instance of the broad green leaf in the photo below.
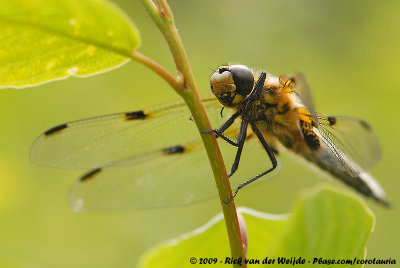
(43, 40)
(325, 223)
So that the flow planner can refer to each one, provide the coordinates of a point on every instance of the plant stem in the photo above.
(162, 16)
(154, 66)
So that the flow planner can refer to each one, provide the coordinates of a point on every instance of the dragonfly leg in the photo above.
(271, 156)
(240, 143)
(256, 92)
(219, 132)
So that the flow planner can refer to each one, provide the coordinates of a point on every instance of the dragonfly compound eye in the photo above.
(231, 84)
(243, 78)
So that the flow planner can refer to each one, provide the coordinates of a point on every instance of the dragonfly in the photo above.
(154, 157)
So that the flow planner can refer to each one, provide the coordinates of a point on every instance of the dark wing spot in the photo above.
(55, 129)
(174, 149)
(332, 120)
(365, 125)
(135, 115)
(89, 175)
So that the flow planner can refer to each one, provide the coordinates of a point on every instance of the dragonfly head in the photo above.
(231, 84)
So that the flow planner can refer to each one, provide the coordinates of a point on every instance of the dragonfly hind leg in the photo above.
(271, 156)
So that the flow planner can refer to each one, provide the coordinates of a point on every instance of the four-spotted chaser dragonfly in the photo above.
(154, 157)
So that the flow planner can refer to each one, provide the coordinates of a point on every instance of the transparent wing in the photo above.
(112, 139)
(164, 180)
(148, 158)
(352, 141)
(302, 90)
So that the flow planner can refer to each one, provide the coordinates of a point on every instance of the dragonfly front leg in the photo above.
(219, 132)
(239, 141)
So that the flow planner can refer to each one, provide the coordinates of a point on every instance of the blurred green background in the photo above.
(348, 50)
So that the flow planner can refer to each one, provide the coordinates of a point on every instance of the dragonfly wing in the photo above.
(112, 139)
(348, 149)
(178, 176)
(302, 90)
(148, 158)
(352, 141)
(160, 179)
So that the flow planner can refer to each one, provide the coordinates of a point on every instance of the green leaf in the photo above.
(43, 40)
(326, 223)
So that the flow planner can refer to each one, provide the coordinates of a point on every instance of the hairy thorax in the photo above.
(276, 113)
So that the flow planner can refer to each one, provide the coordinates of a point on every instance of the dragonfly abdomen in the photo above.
(363, 182)
(309, 135)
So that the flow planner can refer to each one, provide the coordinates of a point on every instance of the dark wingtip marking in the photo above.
(178, 149)
(55, 129)
(89, 175)
(365, 125)
(332, 120)
(135, 115)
